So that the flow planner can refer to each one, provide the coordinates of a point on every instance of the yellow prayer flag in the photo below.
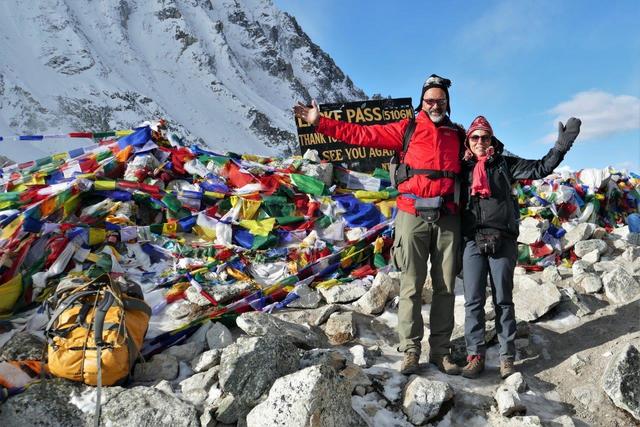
(10, 229)
(97, 235)
(259, 227)
(104, 185)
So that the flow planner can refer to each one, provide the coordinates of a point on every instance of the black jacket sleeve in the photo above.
(534, 169)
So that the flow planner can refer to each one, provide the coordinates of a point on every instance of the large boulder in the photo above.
(248, 369)
(576, 234)
(160, 367)
(46, 403)
(339, 294)
(218, 336)
(22, 346)
(424, 399)
(532, 300)
(374, 300)
(583, 247)
(315, 396)
(340, 328)
(621, 379)
(531, 230)
(620, 286)
(257, 324)
(148, 406)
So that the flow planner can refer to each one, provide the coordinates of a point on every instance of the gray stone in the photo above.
(160, 367)
(497, 420)
(323, 356)
(578, 233)
(589, 396)
(531, 230)
(364, 357)
(248, 369)
(315, 396)
(591, 257)
(340, 328)
(563, 421)
(257, 324)
(525, 281)
(196, 297)
(45, 403)
(532, 300)
(206, 360)
(589, 282)
(424, 399)
(519, 271)
(185, 351)
(580, 268)
(356, 376)
(195, 389)
(620, 286)
(374, 300)
(509, 403)
(180, 309)
(165, 387)
(308, 298)
(586, 246)
(577, 363)
(227, 293)
(551, 275)
(340, 294)
(218, 336)
(621, 379)
(147, 406)
(312, 317)
(22, 346)
(516, 382)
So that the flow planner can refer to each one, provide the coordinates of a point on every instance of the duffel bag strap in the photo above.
(98, 322)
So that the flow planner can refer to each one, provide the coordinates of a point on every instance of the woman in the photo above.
(490, 228)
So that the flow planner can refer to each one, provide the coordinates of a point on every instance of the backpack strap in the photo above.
(408, 133)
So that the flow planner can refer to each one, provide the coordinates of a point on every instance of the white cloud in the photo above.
(602, 114)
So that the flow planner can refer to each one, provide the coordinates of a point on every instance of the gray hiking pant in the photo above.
(500, 266)
(415, 242)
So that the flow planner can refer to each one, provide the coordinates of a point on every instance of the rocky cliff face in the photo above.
(224, 72)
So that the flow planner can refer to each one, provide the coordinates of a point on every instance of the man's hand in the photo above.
(309, 115)
(567, 134)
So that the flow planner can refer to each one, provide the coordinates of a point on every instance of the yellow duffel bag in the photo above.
(106, 320)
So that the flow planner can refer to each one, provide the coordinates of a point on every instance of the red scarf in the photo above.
(480, 182)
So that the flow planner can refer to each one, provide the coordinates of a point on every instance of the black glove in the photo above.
(567, 134)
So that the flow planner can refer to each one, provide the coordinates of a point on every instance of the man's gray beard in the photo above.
(436, 118)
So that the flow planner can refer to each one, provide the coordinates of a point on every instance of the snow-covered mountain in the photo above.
(224, 73)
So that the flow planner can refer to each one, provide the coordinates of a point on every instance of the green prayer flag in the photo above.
(308, 184)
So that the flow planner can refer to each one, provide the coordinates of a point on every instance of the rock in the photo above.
(374, 300)
(516, 382)
(591, 257)
(589, 282)
(577, 363)
(256, 323)
(311, 317)
(424, 399)
(580, 268)
(599, 233)
(356, 376)
(165, 387)
(525, 281)
(532, 300)
(509, 402)
(315, 396)
(160, 367)
(364, 357)
(621, 379)
(519, 271)
(227, 293)
(531, 230)
(22, 346)
(195, 297)
(496, 420)
(589, 396)
(147, 406)
(45, 403)
(185, 351)
(248, 369)
(343, 293)
(206, 360)
(563, 421)
(551, 275)
(200, 336)
(340, 328)
(578, 233)
(179, 309)
(584, 247)
(620, 286)
(323, 356)
(218, 336)
(308, 298)
(195, 389)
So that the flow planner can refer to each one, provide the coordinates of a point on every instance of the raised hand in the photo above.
(310, 115)
(567, 134)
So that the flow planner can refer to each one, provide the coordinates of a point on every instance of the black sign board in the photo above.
(363, 159)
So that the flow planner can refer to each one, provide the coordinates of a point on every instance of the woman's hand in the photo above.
(567, 134)
(309, 115)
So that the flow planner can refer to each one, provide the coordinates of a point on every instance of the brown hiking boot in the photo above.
(410, 363)
(445, 364)
(474, 366)
(506, 368)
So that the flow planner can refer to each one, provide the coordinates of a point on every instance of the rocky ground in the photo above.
(331, 360)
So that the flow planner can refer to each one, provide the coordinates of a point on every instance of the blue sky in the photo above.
(522, 64)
